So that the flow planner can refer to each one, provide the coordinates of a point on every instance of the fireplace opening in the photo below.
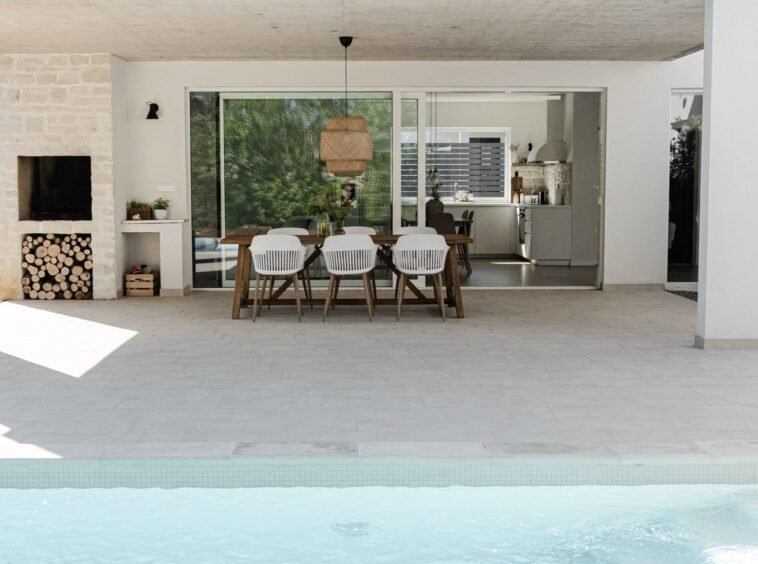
(54, 188)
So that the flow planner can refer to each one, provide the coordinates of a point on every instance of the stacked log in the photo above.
(57, 266)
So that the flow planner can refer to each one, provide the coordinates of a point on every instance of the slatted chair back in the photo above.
(277, 255)
(420, 254)
(347, 255)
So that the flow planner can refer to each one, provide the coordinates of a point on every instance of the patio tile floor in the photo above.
(529, 374)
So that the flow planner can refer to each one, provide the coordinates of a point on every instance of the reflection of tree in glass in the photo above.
(684, 152)
(272, 168)
(204, 163)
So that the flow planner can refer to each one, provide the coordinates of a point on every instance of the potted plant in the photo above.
(160, 208)
(138, 210)
(336, 206)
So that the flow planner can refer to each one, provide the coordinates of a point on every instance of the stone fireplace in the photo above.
(56, 266)
(56, 172)
(54, 188)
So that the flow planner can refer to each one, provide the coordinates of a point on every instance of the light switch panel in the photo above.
(166, 188)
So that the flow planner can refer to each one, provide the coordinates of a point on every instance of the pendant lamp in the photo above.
(346, 145)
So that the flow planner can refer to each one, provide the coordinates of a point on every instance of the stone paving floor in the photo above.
(609, 375)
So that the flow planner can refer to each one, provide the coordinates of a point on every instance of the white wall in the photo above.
(527, 120)
(727, 302)
(556, 117)
(636, 164)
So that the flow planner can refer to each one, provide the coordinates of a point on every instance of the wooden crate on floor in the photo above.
(142, 284)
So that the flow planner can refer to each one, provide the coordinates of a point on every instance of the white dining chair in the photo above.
(304, 275)
(413, 230)
(364, 230)
(349, 255)
(421, 255)
(416, 230)
(276, 255)
(359, 230)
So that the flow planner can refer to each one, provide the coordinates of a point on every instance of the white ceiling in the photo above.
(384, 29)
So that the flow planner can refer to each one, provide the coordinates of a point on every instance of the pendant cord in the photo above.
(346, 109)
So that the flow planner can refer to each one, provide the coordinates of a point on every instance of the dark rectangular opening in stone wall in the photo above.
(55, 188)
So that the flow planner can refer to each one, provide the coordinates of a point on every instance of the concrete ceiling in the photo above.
(384, 29)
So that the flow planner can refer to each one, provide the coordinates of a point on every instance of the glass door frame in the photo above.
(398, 93)
(259, 93)
(398, 97)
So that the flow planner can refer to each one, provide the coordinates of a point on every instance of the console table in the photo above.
(172, 233)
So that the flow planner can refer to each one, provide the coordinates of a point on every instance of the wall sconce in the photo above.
(152, 113)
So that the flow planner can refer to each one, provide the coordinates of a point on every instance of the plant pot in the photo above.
(143, 213)
(160, 214)
(339, 228)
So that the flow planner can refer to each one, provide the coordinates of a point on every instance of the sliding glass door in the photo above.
(269, 174)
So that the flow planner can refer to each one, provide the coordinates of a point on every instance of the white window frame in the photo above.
(505, 135)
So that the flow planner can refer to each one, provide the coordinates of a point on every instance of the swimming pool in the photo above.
(573, 524)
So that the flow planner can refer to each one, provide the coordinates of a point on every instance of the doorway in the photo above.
(686, 116)
(525, 169)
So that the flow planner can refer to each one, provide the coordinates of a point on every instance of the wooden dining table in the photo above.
(453, 297)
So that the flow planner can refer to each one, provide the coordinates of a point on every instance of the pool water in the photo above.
(650, 524)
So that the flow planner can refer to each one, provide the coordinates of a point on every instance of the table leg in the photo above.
(242, 250)
(246, 278)
(455, 280)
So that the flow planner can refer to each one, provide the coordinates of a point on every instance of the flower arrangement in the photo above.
(514, 152)
(336, 206)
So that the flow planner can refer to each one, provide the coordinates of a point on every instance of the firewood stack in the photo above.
(57, 266)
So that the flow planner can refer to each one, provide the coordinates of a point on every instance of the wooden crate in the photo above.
(142, 284)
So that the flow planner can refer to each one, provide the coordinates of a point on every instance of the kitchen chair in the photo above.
(421, 255)
(349, 255)
(361, 230)
(276, 255)
(443, 223)
(304, 275)
(465, 229)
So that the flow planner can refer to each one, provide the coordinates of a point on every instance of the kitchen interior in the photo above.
(535, 205)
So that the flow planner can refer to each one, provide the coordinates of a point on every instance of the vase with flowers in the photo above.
(514, 152)
(337, 207)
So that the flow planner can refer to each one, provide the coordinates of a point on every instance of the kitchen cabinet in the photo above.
(545, 234)
(495, 230)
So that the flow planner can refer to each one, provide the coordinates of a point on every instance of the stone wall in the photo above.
(57, 105)
(538, 177)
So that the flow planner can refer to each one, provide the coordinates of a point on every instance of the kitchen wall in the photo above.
(527, 120)
(636, 114)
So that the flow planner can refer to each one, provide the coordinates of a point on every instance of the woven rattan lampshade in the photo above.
(346, 145)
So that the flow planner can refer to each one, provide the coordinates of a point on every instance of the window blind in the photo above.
(477, 167)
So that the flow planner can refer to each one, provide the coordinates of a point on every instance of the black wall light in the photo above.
(152, 113)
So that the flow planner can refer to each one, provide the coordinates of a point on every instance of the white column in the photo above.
(728, 298)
